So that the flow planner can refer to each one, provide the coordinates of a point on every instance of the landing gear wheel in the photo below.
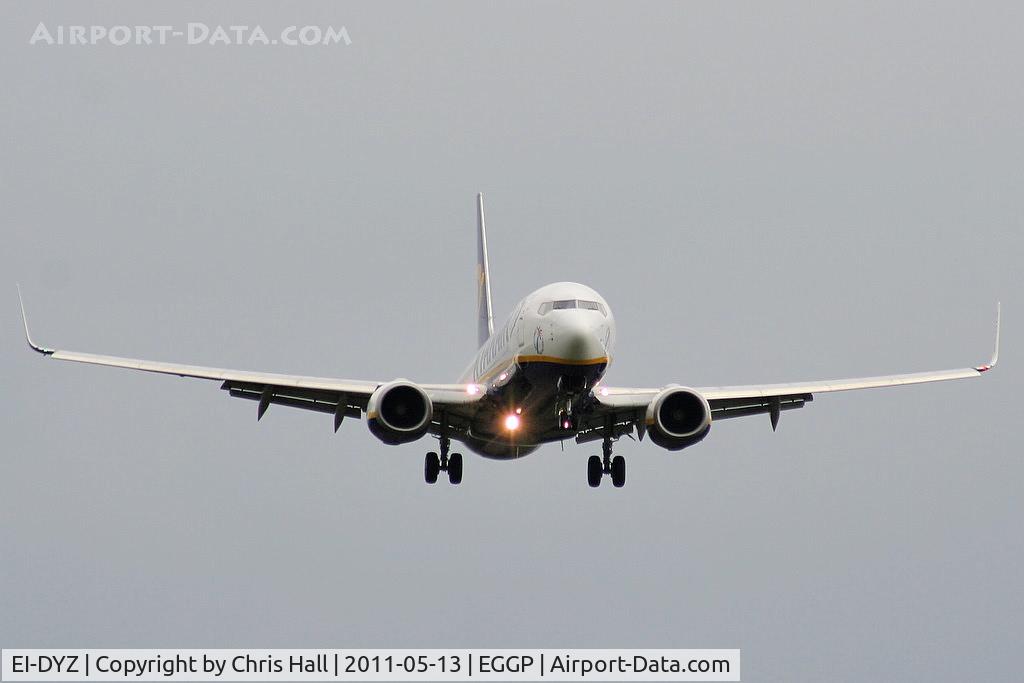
(431, 466)
(618, 471)
(594, 471)
(455, 468)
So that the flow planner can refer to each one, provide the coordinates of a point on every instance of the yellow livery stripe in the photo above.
(561, 361)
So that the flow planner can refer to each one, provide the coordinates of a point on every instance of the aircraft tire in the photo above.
(594, 471)
(455, 468)
(618, 471)
(431, 466)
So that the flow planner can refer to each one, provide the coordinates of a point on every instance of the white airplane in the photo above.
(535, 380)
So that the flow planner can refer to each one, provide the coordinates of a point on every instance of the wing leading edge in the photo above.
(341, 397)
(749, 399)
(622, 407)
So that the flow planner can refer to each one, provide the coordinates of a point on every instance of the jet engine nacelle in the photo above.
(399, 412)
(678, 417)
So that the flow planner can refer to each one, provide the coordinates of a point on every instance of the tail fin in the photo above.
(485, 319)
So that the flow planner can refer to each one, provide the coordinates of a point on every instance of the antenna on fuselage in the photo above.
(485, 318)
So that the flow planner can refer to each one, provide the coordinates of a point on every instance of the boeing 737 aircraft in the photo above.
(536, 379)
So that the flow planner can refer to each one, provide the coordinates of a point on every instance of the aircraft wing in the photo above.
(628, 405)
(340, 397)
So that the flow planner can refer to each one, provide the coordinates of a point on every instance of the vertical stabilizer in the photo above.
(485, 319)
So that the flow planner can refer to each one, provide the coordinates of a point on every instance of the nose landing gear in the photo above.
(597, 467)
(434, 464)
(566, 419)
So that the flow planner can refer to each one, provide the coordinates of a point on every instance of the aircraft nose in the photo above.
(580, 340)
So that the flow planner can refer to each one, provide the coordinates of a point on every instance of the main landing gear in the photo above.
(597, 467)
(434, 464)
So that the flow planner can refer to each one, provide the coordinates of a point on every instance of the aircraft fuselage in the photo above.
(538, 369)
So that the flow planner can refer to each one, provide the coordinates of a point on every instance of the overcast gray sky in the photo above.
(763, 192)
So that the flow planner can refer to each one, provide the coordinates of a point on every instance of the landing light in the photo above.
(472, 389)
(512, 422)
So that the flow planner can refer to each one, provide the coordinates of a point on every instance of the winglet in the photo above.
(995, 352)
(28, 337)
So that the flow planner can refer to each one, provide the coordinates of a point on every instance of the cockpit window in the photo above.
(565, 304)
